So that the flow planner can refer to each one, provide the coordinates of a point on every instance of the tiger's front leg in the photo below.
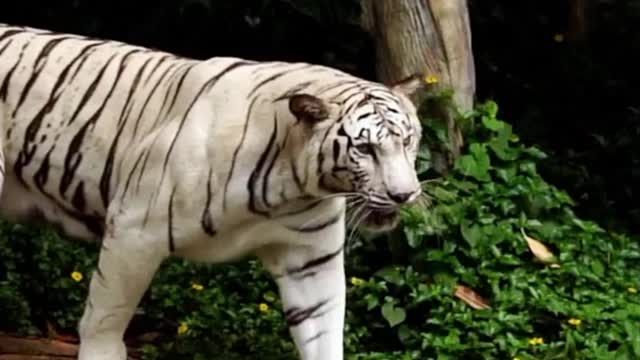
(128, 260)
(311, 281)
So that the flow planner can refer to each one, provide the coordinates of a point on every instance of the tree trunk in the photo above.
(578, 21)
(431, 37)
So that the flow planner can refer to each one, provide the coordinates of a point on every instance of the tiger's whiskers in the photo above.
(355, 228)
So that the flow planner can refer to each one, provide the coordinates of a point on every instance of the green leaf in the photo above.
(443, 194)
(391, 275)
(503, 151)
(404, 333)
(492, 123)
(506, 174)
(393, 315)
(414, 237)
(372, 301)
(631, 327)
(440, 130)
(597, 267)
(476, 164)
(535, 152)
(423, 161)
(472, 234)
(467, 165)
(490, 108)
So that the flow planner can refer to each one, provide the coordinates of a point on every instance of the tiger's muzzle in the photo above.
(385, 215)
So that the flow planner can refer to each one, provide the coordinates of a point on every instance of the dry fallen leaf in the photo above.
(540, 251)
(471, 298)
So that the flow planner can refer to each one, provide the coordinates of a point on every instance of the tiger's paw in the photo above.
(102, 350)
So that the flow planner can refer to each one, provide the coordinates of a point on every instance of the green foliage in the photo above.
(236, 314)
(37, 286)
(566, 86)
(471, 236)
(35, 278)
(466, 230)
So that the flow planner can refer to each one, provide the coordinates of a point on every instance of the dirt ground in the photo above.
(58, 348)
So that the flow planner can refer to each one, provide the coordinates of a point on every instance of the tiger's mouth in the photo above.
(380, 219)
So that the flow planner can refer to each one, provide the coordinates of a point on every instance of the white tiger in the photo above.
(158, 155)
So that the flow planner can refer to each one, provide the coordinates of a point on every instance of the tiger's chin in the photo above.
(380, 221)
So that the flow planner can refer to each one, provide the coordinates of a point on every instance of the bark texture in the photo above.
(578, 21)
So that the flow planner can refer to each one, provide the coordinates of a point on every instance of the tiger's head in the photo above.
(364, 145)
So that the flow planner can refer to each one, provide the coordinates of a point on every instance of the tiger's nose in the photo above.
(403, 197)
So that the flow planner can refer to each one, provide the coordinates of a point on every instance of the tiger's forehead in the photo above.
(382, 111)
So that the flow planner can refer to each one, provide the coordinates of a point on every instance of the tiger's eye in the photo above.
(366, 149)
(407, 141)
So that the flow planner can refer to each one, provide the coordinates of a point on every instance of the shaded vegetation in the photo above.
(573, 94)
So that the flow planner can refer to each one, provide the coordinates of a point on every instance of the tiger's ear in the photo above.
(409, 86)
(308, 108)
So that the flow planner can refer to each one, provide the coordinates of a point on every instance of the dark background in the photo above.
(577, 98)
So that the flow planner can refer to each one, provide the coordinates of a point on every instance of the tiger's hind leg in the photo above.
(128, 261)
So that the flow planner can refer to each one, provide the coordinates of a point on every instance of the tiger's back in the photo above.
(68, 101)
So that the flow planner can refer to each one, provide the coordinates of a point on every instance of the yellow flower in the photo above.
(356, 281)
(516, 358)
(431, 79)
(632, 290)
(575, 322)
(183, 328)
(536, 341)
(77, 276)
(263, 307)
(197, 287)
(558, 38)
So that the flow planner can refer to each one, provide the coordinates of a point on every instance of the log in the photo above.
(18, 348)
(32, 346)
(34, 357)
